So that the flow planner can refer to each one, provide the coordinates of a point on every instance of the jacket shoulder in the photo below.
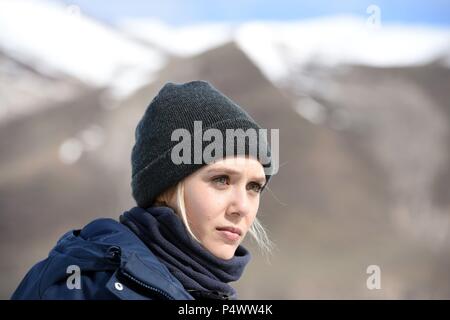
(90, 264)
(76, 268)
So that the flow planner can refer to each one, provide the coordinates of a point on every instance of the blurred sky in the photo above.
(182, 12)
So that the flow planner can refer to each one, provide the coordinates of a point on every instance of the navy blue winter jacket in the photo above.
(104, 260)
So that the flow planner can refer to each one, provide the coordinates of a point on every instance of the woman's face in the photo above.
(222, 199)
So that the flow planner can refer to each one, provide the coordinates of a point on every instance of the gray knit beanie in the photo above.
(177, 106)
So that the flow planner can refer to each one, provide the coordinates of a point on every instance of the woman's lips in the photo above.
(230, 233)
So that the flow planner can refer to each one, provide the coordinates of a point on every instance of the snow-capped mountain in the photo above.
(179, 41)
(279, 47)
(54, 37)
(60, 41)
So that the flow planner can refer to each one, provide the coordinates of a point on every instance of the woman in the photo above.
(183, 239)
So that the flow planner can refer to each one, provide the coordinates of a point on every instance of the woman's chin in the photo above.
(224, 251)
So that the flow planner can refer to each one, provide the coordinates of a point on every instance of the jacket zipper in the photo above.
(146, 286)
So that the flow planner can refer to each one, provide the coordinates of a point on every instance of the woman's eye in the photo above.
(256, 186)
(221, 179)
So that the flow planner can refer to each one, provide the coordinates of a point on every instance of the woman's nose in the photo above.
(240, 202)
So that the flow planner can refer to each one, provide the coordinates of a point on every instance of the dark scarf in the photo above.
(201, 273)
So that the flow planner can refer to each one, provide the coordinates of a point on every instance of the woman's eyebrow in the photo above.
(261, 179)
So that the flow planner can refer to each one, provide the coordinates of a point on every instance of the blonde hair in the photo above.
(257, 230)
